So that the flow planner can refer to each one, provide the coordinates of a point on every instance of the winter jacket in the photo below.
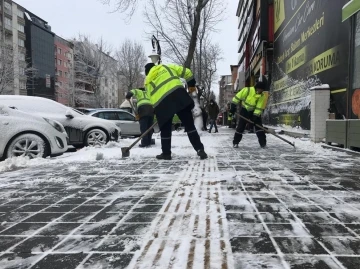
(213, 111)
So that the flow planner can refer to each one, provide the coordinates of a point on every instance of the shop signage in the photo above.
(311, 44)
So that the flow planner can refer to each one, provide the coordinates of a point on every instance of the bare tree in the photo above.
(130, 64)
(9, 71)
(92, 66)
(206, 69)
(176, 20)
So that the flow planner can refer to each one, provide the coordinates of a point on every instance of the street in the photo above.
(249, 207)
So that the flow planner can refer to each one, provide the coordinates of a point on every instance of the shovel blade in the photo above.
(125, 152)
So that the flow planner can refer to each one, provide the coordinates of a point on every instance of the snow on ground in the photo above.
(242, 208)
(112, 152)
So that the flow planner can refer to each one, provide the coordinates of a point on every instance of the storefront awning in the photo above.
(350, 9)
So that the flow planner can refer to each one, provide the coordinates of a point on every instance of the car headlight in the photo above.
(56, 125)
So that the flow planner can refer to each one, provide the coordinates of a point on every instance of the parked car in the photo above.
(82, 130)
(123, 119)
(23, 134)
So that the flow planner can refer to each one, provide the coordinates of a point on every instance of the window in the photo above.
(21, 42)
(59, 51)
(22, 56)
(59, 62)
(60, 73)
(65, 64)
(68, 55)
(107, 115)
(22, 71)
(21, 28)
(22, 85)
(20, 13)
(7, 6)
(66, 74)
(125, 116)
(8, 23)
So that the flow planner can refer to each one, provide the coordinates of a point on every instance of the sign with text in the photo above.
(311, 45)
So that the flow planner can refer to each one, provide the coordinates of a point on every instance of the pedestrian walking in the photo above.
(145, 113)
(253, 101)
(169, 97)
(213, 113)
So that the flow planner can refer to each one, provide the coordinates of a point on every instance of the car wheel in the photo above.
(95, 137)
(28, 145)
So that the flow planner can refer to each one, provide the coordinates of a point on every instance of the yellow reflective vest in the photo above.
(251, 101)
(141, 97)
(164, 79)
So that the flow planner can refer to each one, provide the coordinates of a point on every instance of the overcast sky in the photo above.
(70, 17)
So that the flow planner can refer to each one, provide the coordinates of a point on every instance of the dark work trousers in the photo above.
(145, 123)
(213, 123)
(242, 124)
(187, 121)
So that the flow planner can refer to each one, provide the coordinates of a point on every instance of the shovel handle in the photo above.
(265, 130)
(141, 136)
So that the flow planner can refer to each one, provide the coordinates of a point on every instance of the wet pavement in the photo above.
(243, 208)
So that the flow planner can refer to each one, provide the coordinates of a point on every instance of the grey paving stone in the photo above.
(60, 261)
(110, 261)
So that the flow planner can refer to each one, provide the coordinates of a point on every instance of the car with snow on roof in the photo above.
(26, 135)
(83, 130)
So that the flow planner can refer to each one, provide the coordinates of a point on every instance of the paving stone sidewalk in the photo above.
(243, 208)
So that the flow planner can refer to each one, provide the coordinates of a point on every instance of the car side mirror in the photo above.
(69, 114)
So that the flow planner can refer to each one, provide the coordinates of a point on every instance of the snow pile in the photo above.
(20, 162)
(111, 152)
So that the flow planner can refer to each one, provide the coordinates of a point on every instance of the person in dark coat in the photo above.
(213, 113)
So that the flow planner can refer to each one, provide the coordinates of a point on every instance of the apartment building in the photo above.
(40, 56)
(64, 71)
(256, 37)
(226, 91)
(12, 34)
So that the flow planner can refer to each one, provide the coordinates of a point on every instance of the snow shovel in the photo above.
(125, 151)
(266, 131)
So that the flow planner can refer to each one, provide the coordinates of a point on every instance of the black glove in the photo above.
(233, 109)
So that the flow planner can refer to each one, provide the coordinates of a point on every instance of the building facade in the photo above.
(255, 36)
(12, 35)
(226, 91)
(40, 51)
(64, 71)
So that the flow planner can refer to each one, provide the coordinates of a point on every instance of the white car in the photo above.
(28, 135)
(125, 120)
(82, 130)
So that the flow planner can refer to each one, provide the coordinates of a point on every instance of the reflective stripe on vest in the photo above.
(141, 98)
(169, 83)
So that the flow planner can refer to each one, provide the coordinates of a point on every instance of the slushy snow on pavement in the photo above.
(241, 208)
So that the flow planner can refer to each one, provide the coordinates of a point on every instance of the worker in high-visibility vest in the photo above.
(253, 101)
(169, 97)
(145, 113)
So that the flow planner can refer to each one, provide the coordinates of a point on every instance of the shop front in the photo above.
(347, 132)
(351, 12)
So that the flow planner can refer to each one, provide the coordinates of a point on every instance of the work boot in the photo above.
(209, 131)
(236, 146)
(216, 131)
(201, 153)
(163, 156)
